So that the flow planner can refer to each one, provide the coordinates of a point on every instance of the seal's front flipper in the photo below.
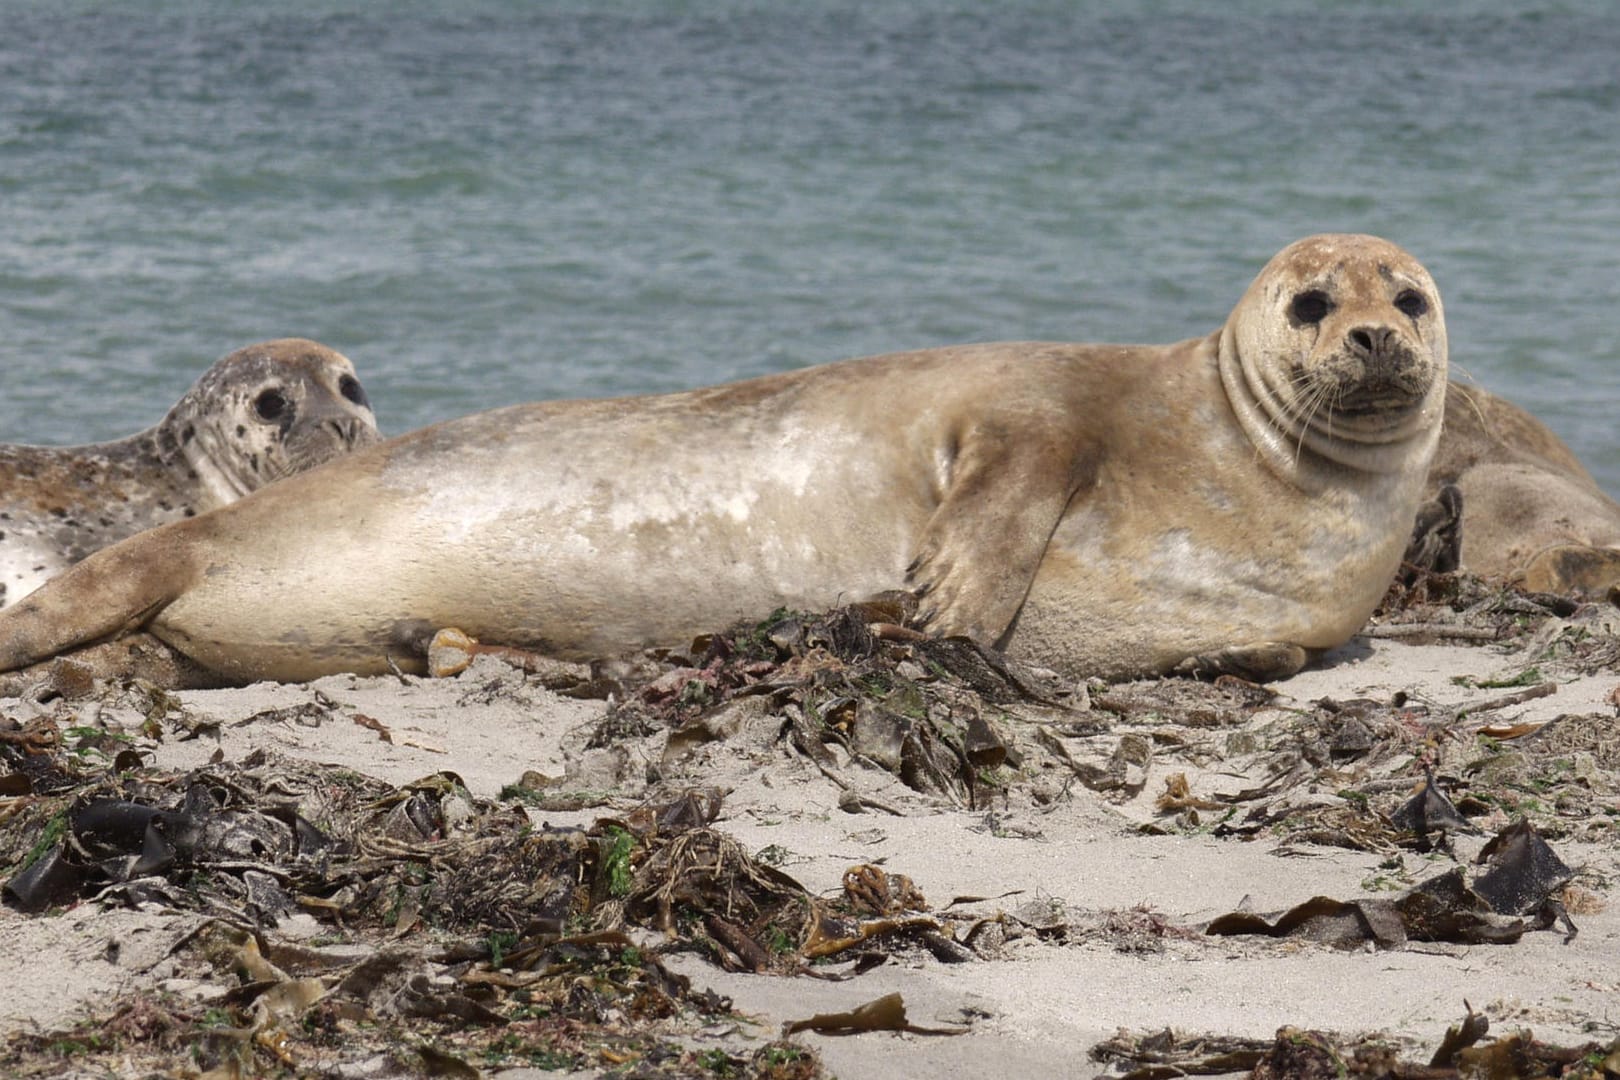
(115, 590)
(1436, 544)
(1261, 661)
(1003, 495)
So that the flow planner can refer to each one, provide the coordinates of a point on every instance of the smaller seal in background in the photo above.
(261, 413)
(1528, 513)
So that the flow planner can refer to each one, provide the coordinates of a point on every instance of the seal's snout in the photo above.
(349, 433)
(1374, 344)
(1385, 371)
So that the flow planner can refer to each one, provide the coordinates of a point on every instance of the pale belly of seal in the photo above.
(1132, 582)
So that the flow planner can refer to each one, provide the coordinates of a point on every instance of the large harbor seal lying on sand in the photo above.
(1236, 501)
(259, 414)
(1531, 514)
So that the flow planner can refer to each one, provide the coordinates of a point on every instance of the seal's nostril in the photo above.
(1371, 341)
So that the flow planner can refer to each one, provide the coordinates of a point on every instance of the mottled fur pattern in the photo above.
(257, 415)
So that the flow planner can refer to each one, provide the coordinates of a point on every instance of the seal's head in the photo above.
(267, 411)
(1339, 349)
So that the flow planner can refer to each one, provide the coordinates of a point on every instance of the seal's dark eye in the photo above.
(270, 404)
(1410, 302)
(349, 387)
(1311, 307)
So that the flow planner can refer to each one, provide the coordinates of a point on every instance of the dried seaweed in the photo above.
(532, 915)
(475, 924)
(931, 711)
(887, 1013)
(1522, 877)
(1298, 1054)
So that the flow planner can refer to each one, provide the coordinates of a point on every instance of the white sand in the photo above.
(1035, 1012)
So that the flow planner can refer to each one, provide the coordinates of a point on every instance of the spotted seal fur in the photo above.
(257, 415)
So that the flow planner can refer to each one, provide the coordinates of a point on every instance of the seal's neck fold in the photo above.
(1310, 451)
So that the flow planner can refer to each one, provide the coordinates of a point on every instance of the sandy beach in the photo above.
(1076, 895)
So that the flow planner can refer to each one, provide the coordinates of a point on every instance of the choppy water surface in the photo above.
(519, 200)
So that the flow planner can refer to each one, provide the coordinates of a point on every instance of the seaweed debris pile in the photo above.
(439, 928)
(319, 920)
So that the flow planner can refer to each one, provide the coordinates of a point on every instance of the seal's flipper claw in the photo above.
(1260, 661)
(1436, 544)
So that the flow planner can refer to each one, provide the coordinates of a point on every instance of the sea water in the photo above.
(488, 202)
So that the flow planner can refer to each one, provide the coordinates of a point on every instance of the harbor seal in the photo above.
(259, 414)
(1526, 510)
(1235, 502)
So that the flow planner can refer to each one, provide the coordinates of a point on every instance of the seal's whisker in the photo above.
(1319, 394)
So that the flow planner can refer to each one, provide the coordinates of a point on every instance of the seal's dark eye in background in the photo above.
(1411, 303)
(1311, 307)
(270, 405)
(349, 387)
